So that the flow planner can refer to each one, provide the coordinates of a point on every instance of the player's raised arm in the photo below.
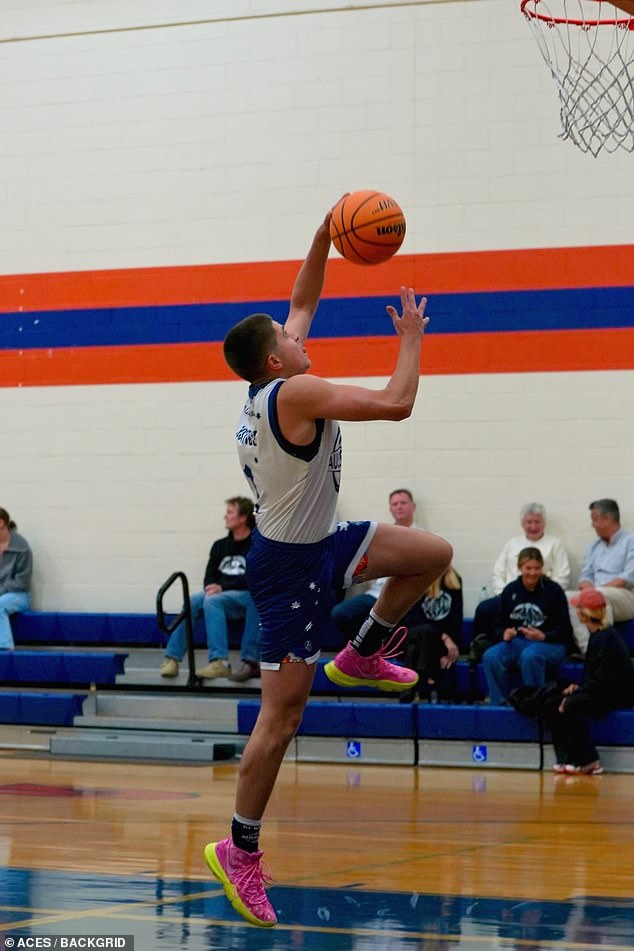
(309, 283)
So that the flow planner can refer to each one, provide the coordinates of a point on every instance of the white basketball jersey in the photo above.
(295, 487)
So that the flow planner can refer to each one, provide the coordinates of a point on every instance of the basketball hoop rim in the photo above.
(562, 21)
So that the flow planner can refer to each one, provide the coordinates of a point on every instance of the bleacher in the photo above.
(39, 709)
(67, 629)
(71, 653)
(60, 667)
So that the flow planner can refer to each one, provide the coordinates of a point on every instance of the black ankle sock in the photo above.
(245, 835)
(372, 633)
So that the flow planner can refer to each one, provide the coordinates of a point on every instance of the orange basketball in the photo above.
(367, 227)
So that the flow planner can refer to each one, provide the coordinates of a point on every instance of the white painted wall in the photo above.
(125, 145)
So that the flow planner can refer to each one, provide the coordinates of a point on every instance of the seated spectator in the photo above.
(16, 567)
(434, 627)
(224, 598)
(532, 629)
(556, 567)
(608, 565)
(607, 684)
(350, 613)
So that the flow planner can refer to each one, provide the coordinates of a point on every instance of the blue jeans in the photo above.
(217, 609)
(11, 603)
(530, 657)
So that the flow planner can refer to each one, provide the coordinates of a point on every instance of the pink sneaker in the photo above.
(350, 669)
(243, 881)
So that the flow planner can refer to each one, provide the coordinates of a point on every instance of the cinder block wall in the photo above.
(129, 140)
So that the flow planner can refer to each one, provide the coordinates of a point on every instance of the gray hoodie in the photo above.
(16, 565)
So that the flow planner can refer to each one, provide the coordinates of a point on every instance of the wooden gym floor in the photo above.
(363, 858)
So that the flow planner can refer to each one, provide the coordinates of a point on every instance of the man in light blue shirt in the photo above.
(608, 565)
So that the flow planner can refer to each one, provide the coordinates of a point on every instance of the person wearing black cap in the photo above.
(607, 684)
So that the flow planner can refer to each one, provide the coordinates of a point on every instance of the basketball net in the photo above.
(589, 47)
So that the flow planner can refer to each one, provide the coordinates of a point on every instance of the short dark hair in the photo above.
(398, 492)
(6, 518)
(530, 554)
(244, 506)
(248, 344)
(606, 507)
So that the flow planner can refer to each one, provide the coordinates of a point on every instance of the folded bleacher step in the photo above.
(181, 713)
(151, 745)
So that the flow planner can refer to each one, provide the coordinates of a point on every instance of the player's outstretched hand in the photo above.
(412, 320)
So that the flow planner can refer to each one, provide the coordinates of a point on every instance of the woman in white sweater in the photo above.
(556, 564)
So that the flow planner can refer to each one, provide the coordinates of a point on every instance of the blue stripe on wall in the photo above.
(569, 309)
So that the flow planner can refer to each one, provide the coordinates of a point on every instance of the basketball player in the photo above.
(289, 447)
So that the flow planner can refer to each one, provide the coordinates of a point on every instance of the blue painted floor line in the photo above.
(193, 915)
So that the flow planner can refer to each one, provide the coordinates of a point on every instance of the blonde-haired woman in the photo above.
(434, 627)
(16, 566)
(607, 684)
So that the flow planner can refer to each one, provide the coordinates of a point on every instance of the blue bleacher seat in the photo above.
(5, 664)
(616, 729)
(36, 627)
(60, 667)
(47, 666)
(358, 719)
(66, 627)
(323, 718)
(128, 629)
(474, 722)
(79, 628)
(40, 709)
(71, 628)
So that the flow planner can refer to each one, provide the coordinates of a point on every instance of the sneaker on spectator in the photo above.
(350, 669)
(243, 881)
(169, 667)
(590, 769)
(559, 767)
(246, 670)
(215, 668)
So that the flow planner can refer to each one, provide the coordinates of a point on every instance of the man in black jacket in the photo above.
(224, 598)
(607, 684)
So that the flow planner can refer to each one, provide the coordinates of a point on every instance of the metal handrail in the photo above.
(185, 615)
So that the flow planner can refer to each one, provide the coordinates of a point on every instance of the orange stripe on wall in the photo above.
(517, 352)
(455, 354)
(531, 269)
(149, 363)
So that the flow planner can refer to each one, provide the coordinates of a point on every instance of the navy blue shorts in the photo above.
(293, 587)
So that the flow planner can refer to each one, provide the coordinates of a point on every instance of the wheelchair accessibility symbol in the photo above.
(353, 749)
(479, 754)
